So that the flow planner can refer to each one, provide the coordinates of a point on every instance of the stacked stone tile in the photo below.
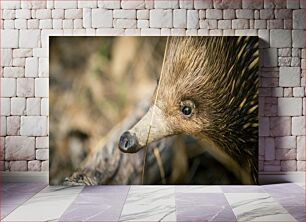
(26, 25)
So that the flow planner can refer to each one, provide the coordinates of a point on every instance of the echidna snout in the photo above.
(128, 143)
(143, 133)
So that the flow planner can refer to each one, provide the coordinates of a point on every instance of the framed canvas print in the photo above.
(154, 110)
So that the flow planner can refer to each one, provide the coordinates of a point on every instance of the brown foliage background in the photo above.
(94, 83)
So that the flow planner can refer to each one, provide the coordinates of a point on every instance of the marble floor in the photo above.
(39, 202)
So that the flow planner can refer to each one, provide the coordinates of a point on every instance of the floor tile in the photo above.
(47, 205)
(97, 203)
(203, 207)
(257, 207)
(149, 203)
(97, 198)
(6, 210)
(22, 187)
(86, 212)
(106, 189)
(198, 189)
(14, 198)
(242, 189)
(292, 199)
(14, 194)
(283, 188)
(298, 212)
(301, 185)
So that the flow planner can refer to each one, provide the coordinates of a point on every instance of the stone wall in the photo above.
(26, 25)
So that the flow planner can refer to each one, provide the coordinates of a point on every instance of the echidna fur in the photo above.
(220, 74)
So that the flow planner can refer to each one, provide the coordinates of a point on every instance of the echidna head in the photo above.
(182, 104)
(208, 89)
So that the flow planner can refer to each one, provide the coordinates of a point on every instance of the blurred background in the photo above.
(95, 83)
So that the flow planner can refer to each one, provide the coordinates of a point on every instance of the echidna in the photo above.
(209, 90)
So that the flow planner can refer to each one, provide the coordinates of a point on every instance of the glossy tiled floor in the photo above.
(39, 202)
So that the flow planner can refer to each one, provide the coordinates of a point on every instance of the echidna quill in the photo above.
(209, 90)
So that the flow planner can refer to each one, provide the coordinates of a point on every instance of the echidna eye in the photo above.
(186, 110)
